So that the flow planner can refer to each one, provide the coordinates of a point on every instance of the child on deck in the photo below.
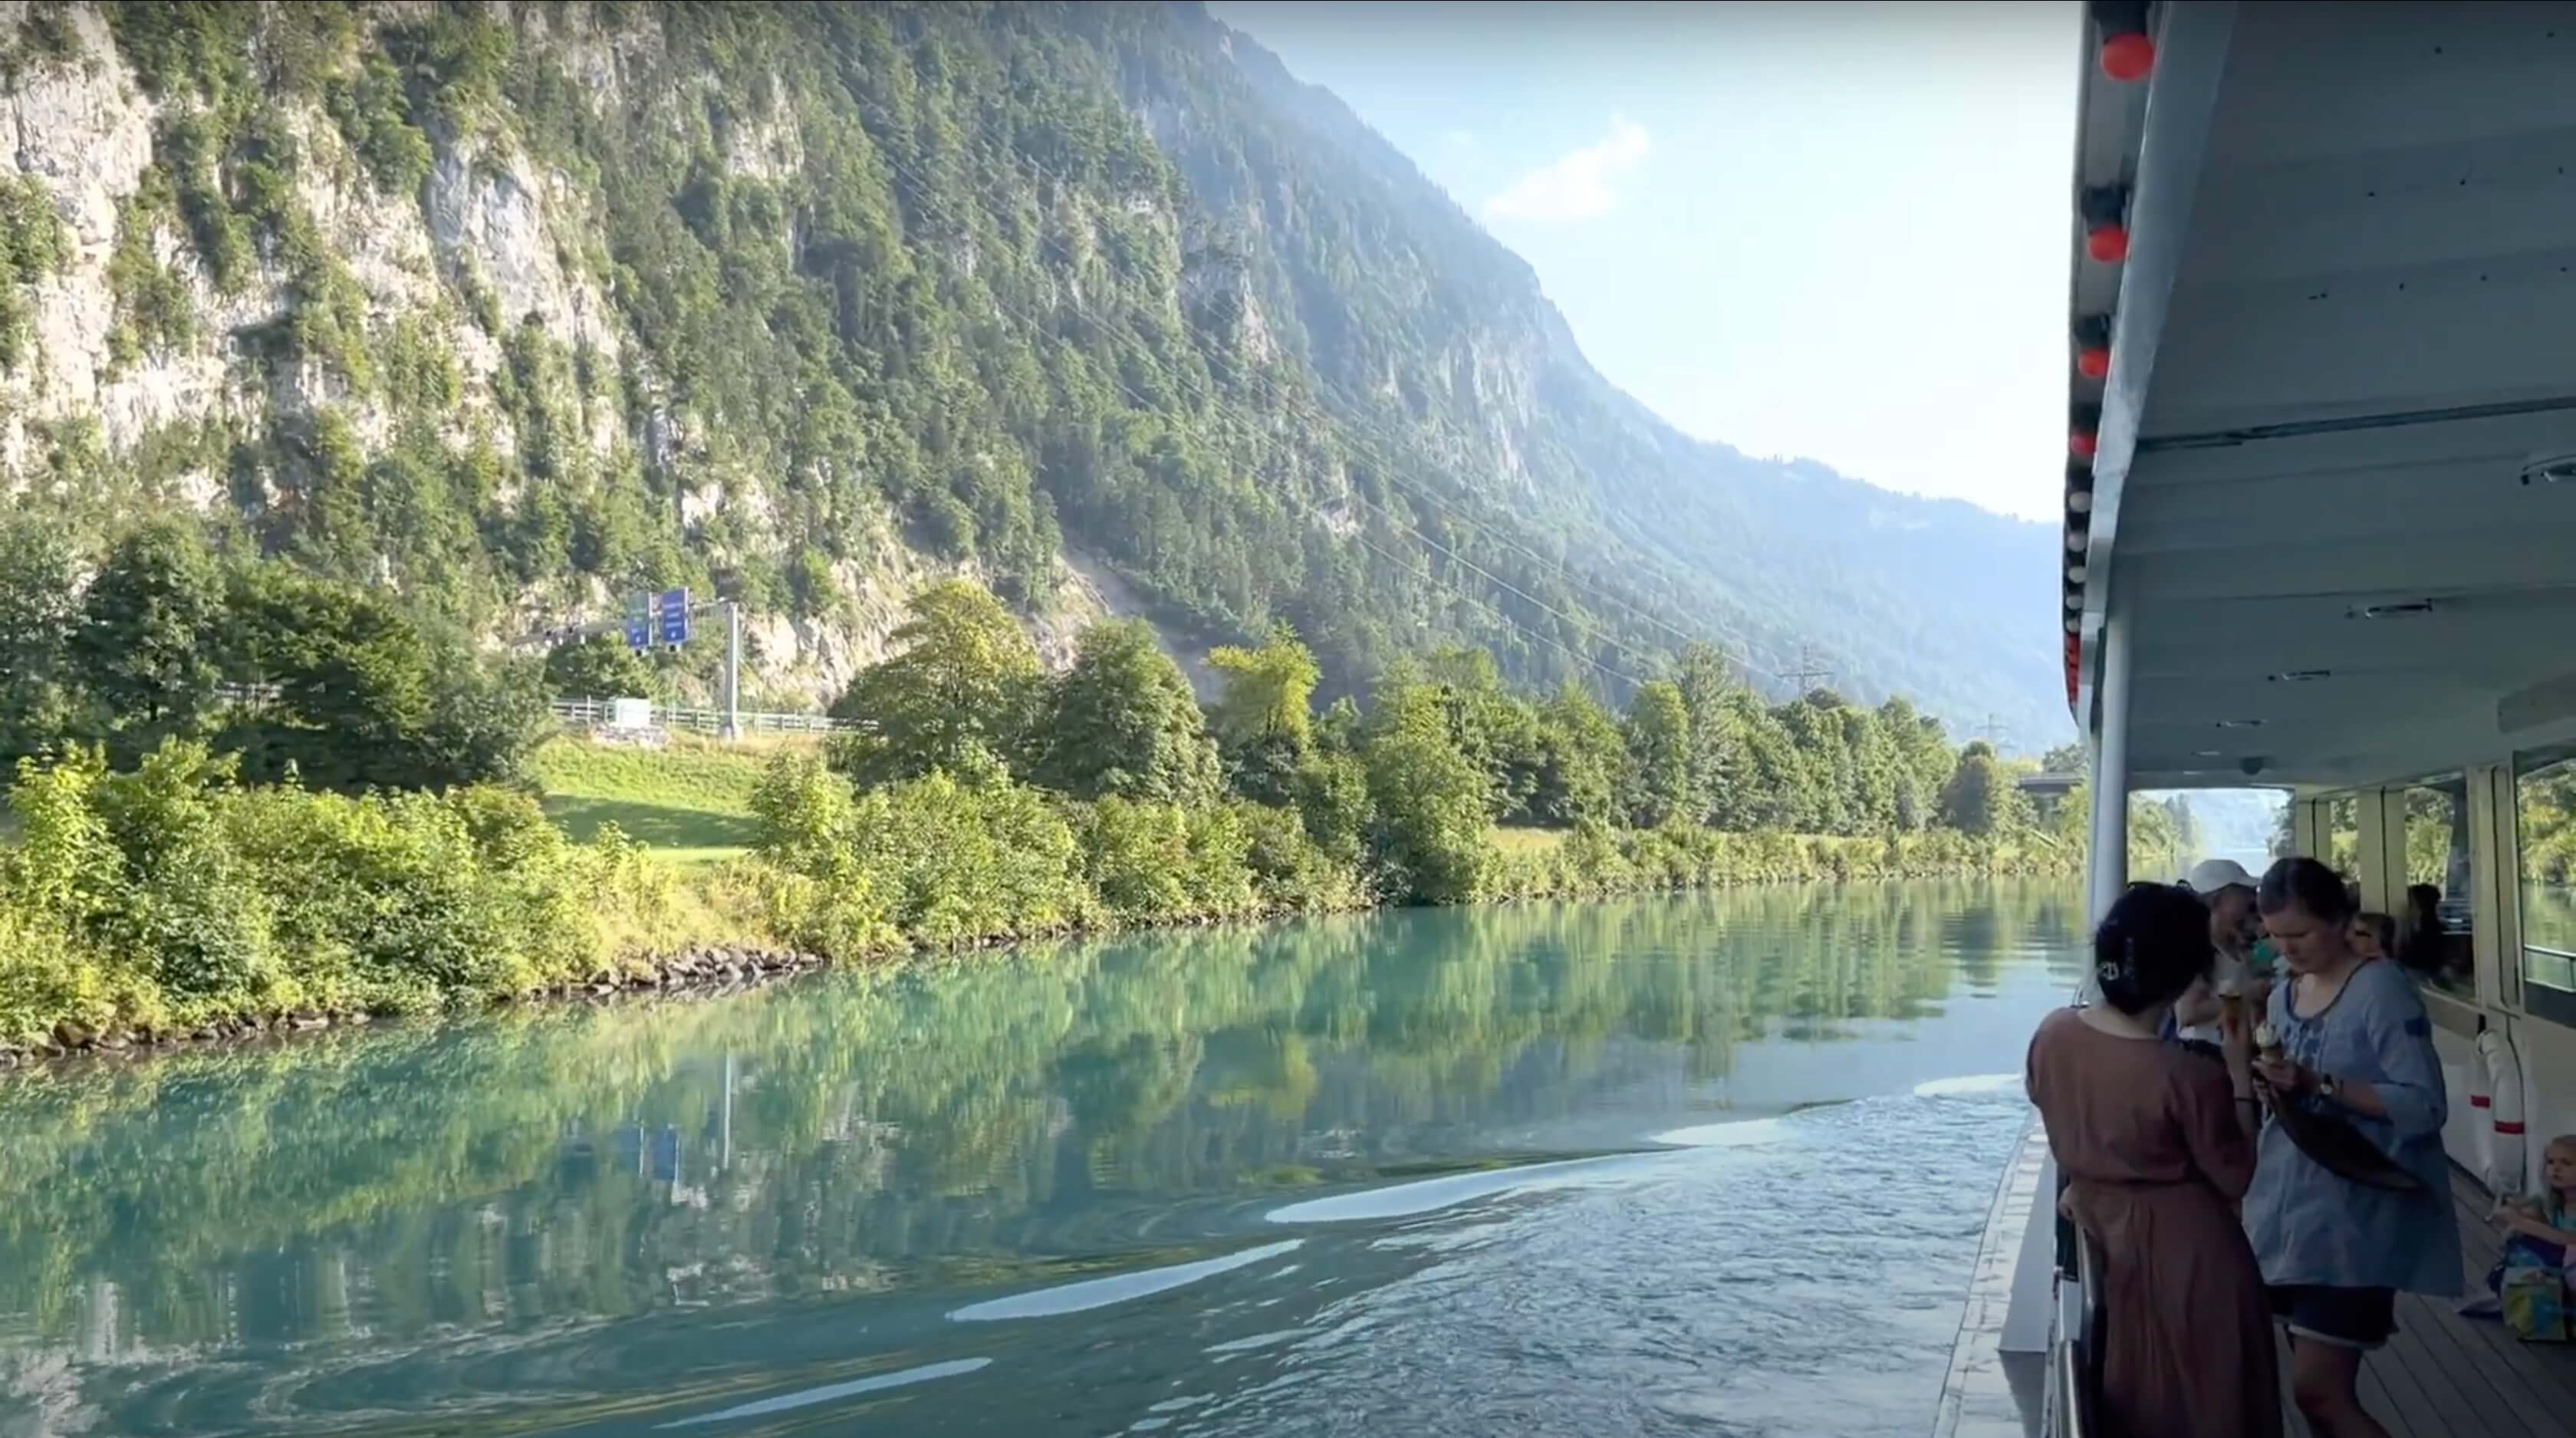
(2544, 1226)
(2539, 1231)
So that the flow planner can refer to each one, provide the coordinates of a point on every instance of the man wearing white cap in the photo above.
(2224, 885)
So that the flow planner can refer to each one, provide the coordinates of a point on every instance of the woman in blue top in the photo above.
(2350, 1040)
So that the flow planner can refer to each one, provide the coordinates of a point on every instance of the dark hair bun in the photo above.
(2308, 886)
(2151, 946)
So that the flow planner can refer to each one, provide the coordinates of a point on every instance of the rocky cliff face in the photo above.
(490, 232)
(522, 307)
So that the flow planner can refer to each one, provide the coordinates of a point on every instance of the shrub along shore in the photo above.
(367, 842)
(173, 904)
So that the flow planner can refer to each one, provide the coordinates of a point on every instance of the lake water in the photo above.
(1707, 1165)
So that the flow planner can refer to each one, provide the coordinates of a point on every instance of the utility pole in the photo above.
(732, 685)
(1811, 671)
(1992, 730)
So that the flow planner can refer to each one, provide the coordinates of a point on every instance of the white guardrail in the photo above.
(710, 721)
(592, 713)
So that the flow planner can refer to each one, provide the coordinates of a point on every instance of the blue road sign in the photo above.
(671, 610)
(639, 634)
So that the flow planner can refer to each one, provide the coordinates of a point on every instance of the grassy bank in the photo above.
(172, 898)
(690, 803)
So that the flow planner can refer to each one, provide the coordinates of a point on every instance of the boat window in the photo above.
(2544, 804)
(2342, 826)
(2431, 912)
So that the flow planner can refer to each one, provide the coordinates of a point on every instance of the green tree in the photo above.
(1981, 797)
(39, 618)
(1123, 722)
(365, 698)
(1659, 756)
(599, 667)
(151, 630)
(967, 679)
(1496, 729)
(1263, 716)
(1706, 686)
(1430, 801)
(1583, 773)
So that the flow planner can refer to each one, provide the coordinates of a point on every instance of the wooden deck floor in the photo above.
(2445, 1376)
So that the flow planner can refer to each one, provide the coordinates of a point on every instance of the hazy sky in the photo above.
(1835, 231)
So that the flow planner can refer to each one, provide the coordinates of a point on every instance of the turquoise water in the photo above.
(1707, 1165)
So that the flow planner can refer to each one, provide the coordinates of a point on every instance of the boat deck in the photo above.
(2445, 1375)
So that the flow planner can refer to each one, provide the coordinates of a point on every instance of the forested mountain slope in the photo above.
(519, 308)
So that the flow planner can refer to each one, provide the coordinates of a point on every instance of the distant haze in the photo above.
(1833, 231)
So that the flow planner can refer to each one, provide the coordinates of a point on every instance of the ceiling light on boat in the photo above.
(2075, 535)
(2105, 209)
(2127, 54)
(2074, 599)
(2080, 502)
(2398, 609)
(2074, 624)
(2240, 724)
(2128, 58)
(2301, 676)
(2208, 754)
(2093, 346)
(2075, 574)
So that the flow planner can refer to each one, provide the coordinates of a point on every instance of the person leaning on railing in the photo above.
(2157, 1145)
(2351, 1052)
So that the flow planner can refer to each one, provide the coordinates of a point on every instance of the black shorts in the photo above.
(2344, 1317)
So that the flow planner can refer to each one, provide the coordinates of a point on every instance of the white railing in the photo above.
(588, 713)
(712, 721)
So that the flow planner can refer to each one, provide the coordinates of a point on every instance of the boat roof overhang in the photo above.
(2342, 358)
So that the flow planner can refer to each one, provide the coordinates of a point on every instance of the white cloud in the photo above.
(1462, 141)
(1575, 186)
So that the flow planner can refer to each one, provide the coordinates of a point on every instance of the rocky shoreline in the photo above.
(703, 970)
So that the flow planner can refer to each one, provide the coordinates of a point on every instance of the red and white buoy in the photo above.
(2495, 1086)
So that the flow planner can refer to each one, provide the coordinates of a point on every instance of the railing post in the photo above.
(2107, 864)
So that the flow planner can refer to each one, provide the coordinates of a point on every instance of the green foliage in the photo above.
(967, 678)
(154, 310)
(1152, 863)
(600, 667)
(1430, 800)
(374, 116)
(1981, 797)
(1583, 762)
(1261, 717)
(935, 861)
(1123, 722)
(366, 699)
(169, 897)
(32, 247)
(1663, 790)
(39, 619)
(45, 37)
(150, 635)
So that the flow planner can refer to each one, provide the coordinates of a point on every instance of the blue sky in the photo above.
(1832, 231)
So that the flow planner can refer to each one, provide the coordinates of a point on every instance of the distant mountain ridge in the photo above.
(521, 309)
(1938, 599)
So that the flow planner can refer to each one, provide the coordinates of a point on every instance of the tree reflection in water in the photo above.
(945, 1127)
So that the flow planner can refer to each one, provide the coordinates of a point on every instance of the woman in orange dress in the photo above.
(2157, 1146)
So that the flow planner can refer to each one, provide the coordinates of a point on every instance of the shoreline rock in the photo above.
(703, 970)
